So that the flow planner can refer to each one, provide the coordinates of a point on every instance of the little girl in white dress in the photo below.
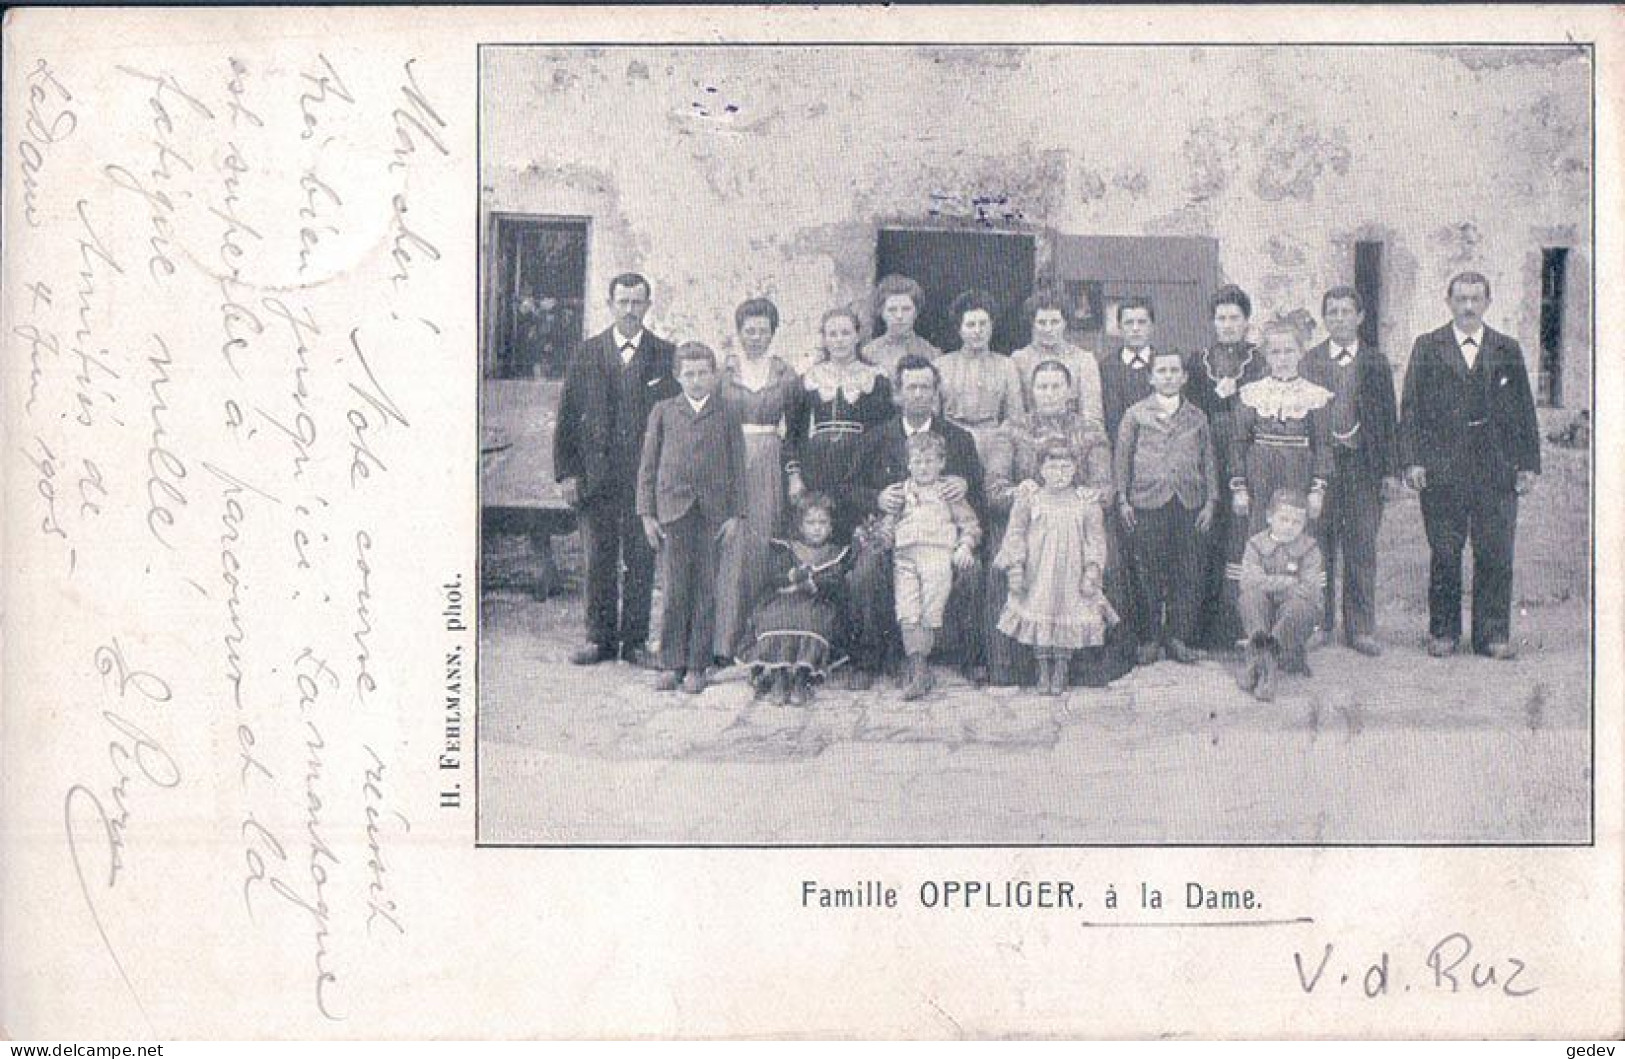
(1053, 554)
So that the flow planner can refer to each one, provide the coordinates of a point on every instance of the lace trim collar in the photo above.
(1241, 368)
(1275, 398)
(814, 557)
(856, 380)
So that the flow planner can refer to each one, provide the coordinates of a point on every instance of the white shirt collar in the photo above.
(1335, 348)
(621, 340)
(1130, 356)
(909, 431)
(698, 406)
(1463, 336)
(1168, 405)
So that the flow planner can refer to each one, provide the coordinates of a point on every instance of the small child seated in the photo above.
(931, 538)
(794, 632)
(1053, 553)
(1282, 581)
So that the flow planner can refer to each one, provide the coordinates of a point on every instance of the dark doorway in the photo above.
(1368, 282)
(1554, 267)
(946, 263)
(537, 294)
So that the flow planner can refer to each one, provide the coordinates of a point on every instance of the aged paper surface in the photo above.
(264, 337)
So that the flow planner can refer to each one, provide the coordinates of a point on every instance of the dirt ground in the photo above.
(1399, 749)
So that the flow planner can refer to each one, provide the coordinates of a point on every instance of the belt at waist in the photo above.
(974, 424)
(759, 428)
(1282, 441)
(837, 426)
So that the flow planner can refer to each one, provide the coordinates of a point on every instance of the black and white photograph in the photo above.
(1035, 445)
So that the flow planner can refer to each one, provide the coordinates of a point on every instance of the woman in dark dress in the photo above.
(840, 398)
(1013, 464)
(1213, 381)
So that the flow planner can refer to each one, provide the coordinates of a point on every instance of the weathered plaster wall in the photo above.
(727, 172)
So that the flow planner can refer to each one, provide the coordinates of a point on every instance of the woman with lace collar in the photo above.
(840, 398)
(763, 388)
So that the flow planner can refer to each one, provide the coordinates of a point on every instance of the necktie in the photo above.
(628, 350)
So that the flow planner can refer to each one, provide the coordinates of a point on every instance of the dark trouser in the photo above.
(617, 607)
(1167, 558)
(872, 615)
(1134, 590)
(1218, 624)
(1455, 513)
(1287, 616)
(1348, 528)
(689, 610)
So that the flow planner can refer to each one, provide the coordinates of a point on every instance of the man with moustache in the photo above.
(1365, 450)
(613, 381)
(873, 619)
(1470, 445)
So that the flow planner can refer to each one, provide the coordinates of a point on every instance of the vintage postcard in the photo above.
(708, 522)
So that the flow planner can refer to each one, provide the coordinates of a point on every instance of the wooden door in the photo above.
(1178, 274)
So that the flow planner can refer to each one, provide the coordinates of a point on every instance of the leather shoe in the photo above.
(694, 683)
(1182, 654)
(638, 655)
(1366, 645)
(667, 680)
(1501, 651)
(592, 654)
(1439, 647)
(1149, 655)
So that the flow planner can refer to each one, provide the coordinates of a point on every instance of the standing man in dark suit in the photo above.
(874, 621)
(1471, 447)
(613, 381)
(1365, 448)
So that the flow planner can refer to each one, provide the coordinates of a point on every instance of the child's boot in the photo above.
(916, 687)
(1268, 663)
(781, 687)
(1247, 679)
(1060, 673)
(1044, 666)
(800, 694)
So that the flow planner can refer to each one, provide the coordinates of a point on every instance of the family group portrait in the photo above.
(1041, 445)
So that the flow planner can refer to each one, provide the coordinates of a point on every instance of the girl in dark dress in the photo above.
(840, 398)
(795, 630)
